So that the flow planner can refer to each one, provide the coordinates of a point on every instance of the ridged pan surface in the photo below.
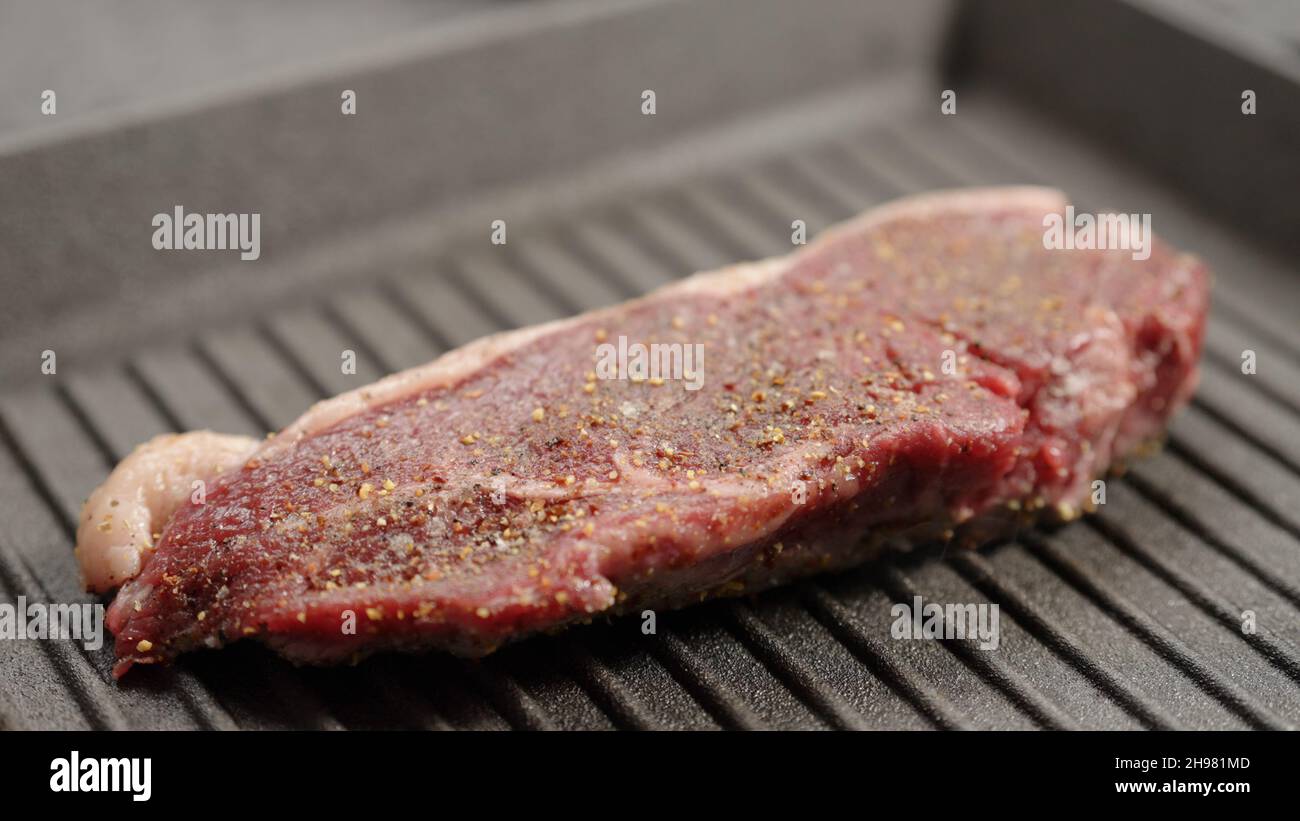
(1130, 618)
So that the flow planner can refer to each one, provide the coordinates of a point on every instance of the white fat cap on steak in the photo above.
(119, 520)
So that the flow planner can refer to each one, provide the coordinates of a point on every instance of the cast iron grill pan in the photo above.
(1128, 619)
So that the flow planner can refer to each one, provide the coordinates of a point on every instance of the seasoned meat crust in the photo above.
(929, 365)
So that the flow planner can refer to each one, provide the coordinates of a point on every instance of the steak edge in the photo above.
(925, 368)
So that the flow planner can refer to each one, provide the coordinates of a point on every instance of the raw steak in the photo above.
(927, 368)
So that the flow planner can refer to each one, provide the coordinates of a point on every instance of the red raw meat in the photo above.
(504, 490)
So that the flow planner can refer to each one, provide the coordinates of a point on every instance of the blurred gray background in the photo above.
(105, 57)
